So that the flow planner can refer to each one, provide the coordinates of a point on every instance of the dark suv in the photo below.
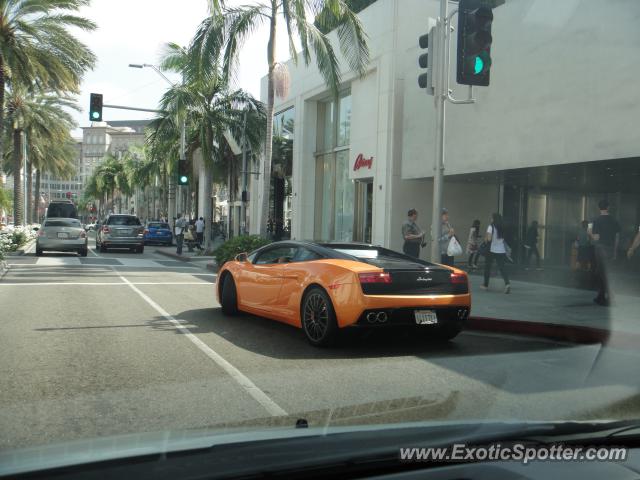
(120, 231)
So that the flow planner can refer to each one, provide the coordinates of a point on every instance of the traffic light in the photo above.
(425, 60)
(183, 173)
(474, 42)
(95, 107)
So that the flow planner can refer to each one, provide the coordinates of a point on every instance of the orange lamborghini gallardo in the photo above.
(325, 287)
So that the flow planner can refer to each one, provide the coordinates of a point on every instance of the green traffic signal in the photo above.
(95, 107)
(95, 115)
(479, 66)
(183, 180)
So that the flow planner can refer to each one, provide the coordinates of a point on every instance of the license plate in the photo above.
(425, 317)
(63, 235)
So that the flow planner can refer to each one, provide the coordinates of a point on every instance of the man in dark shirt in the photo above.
(606, 235)
(412, 234)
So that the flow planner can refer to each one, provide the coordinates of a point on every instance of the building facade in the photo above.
(545, 141)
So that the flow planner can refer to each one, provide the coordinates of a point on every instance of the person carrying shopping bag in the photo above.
(497, 252)
(446, 236)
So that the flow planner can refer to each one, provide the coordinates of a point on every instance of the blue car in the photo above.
(158, 232)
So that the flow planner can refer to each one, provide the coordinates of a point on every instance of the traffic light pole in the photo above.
(442, 94)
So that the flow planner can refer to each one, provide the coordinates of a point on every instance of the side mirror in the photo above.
(241, 257)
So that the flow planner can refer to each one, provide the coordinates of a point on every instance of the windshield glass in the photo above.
(123, 221)
(232, 217)
(62, 223)
(159, 225)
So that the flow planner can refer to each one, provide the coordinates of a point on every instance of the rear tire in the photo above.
(140, 249)
(38, 252)
(318, 318)
(229, 296)
(83, 252)
(103, 249)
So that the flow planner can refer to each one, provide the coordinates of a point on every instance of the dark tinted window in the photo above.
(123, 220)
(62, 223)
(306, 255)
(276, 255)
(159, 225)
(62, 210)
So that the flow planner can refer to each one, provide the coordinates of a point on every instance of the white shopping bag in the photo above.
(454, 247)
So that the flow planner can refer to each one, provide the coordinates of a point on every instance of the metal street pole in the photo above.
(243, 214)
(24, 167)
(441, 101)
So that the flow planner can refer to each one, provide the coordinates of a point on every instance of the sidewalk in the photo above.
(552, 311)
(202, 261)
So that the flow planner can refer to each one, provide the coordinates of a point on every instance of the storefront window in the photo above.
(335, 191)
(282, 165)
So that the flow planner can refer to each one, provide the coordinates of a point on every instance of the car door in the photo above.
(260, 282)
(293, 278)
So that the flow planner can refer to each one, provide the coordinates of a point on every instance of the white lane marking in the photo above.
(118, 284)
(251, 388)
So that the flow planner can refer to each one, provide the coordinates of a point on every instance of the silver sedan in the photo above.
(62, 235)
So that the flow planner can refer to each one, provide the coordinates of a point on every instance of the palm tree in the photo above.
(305, 21)
(45, 122)
(213, 112)
(38, 52)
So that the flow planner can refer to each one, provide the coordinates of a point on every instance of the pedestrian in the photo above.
(179, 227)
(412, 234)
(473, 245)
(446, 233)
(497, 252)
(606, 236)
(531, 246)
(585, 247)
(634, 245)
(200, 232)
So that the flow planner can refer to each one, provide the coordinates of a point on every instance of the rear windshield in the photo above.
(159, 225)
(68, 222)
(62, 210)
(123, 221)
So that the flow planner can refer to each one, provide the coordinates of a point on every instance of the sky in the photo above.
(135, 31)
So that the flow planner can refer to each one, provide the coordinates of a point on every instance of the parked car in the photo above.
(61, 209)
(158, 232)
(121, 231)
(61, 235)
(324, 288)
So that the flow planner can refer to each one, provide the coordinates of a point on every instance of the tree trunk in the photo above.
(29, 213)
(268, 147)
(206, 208)
(1, 108)
(18, 198)
(36, 199)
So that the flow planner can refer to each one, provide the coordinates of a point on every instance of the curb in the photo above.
(183, 258)
(213, 267)
(568, 333)
(4, 268)
(22, 250)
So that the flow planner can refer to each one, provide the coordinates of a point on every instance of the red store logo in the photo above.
(362, 162)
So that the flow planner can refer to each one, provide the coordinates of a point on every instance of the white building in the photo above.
(552, 134)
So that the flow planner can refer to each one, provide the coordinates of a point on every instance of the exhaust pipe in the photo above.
(377, 317)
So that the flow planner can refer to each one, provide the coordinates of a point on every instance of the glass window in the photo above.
(276, 255)
(344, 120)
(326, 111)
(344, 198)
(306, 255)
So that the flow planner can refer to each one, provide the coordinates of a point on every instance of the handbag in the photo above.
(454, 247)
(188, 235)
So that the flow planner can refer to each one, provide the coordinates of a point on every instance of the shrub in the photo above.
(245, 243)
(19, 238)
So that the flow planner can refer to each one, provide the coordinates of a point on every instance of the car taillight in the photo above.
(41, 233)
(375, 277)
(458, 278)
(106, 229)
(146, 230)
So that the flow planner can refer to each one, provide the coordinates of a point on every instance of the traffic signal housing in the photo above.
(95, 107)
(183, 173)
(474, 42)
(425, 60)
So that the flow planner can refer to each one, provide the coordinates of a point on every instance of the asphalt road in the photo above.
(120, 343)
